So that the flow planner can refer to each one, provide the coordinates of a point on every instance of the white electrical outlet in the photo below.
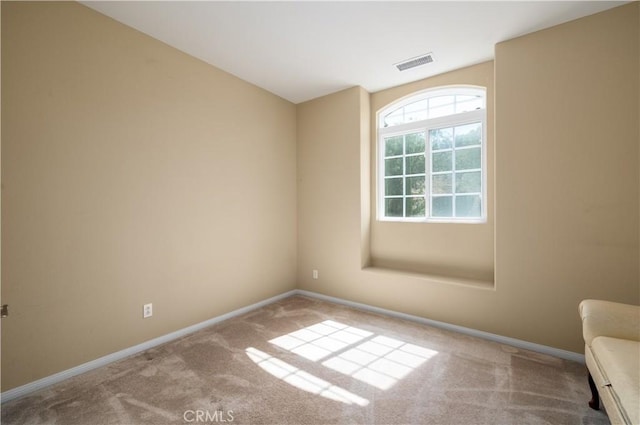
(315, 274)
(147, 310)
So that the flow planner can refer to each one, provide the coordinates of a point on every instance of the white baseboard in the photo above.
(110, 358)
(556, 352)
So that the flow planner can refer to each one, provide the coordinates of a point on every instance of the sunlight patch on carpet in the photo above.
(320, 340)
(377, 360)
(301, 379)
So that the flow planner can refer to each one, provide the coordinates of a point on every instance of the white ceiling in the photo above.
(301, 50)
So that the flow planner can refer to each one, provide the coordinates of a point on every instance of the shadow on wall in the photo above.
(452, 271)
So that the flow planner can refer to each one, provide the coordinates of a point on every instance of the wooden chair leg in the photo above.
(595, 398)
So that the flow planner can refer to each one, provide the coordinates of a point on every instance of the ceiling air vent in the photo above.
(413, 62)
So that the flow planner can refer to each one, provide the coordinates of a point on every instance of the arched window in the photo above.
(431, 157)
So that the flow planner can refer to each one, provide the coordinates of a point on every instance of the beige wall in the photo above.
(132, 173)
(330, 229)
(567, 168)
(460, 250)
(566, 189)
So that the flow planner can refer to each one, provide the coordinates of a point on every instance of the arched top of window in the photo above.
(433, 103)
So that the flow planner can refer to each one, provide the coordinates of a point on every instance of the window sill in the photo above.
(432, 220)
(466, 282)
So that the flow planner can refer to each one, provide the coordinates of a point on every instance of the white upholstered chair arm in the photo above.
(607, 318)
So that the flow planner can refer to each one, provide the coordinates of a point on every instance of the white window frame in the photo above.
(456, 119)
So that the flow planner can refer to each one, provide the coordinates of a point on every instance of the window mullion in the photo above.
(453, 174)
(404, 173)
(427, 174)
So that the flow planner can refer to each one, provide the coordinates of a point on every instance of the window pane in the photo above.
(393, 167)
(393, 207)
(393, 187)
(467, 159)
(468, 135)
(440, 101)
(415, 207)
(468, 206)
(415, 185)
(420, 105)
(442, 161)
(464, 104)
(393, 146)
(468, 182)
(394, 118)
(441, 111)
(465, 98)
(415, 143)
(415, 116)
(441, 184)
(441, 138)
(416, 111)
(415, 164)
(442, 206)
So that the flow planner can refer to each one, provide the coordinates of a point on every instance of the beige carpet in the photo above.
(304, 361)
